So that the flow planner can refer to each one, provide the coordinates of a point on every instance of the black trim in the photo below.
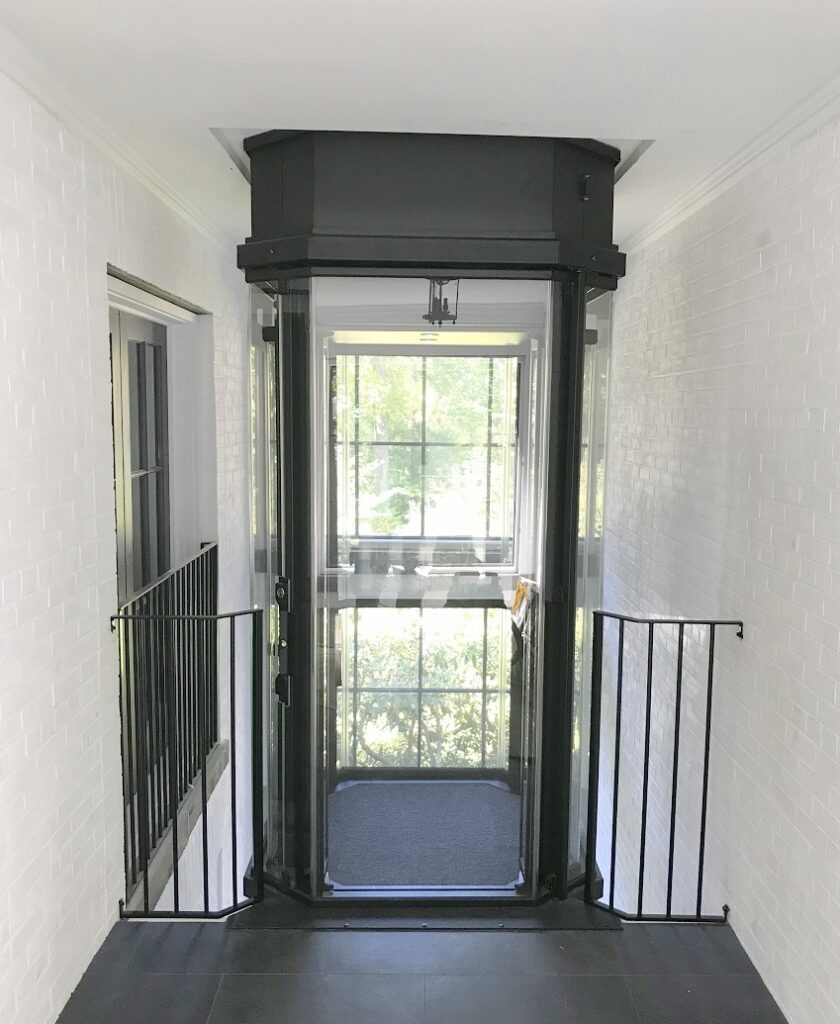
(306, 254)
(296, 496)
(568, 320)
(255, 142)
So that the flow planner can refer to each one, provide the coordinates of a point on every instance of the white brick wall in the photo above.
(723, 499)
(65, 213)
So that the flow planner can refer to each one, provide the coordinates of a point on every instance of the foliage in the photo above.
(426, 691)
(425, 446)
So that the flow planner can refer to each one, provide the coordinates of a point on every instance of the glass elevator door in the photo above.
(411, 511)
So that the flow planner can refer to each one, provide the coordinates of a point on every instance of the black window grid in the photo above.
(424, 445)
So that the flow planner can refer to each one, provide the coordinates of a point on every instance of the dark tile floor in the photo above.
(185, 973)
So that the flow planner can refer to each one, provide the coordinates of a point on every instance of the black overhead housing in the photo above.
(341, 202)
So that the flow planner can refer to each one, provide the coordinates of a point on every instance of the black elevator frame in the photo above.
(305, 224)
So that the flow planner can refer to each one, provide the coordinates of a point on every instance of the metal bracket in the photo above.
(283, 594)
(283, 688)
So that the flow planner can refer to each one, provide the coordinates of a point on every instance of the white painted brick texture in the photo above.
(64, 214)
(723, 499)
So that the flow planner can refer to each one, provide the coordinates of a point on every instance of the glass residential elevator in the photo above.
(416, 496)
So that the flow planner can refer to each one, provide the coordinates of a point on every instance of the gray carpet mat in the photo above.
(423, 833)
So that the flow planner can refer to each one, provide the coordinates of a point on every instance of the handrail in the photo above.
(595, 755)
(181, 618)
(205, 547)
(656, 621)
(169, 636)
(187, 650)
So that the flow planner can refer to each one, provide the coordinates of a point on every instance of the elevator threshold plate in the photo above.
(284, 912)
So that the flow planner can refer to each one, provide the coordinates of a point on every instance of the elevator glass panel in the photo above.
(588, 591)
(427, 529)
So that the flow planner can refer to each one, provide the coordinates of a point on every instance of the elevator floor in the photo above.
(423, 833)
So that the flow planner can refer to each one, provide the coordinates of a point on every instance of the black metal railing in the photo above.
(670, 758)
(172, 715)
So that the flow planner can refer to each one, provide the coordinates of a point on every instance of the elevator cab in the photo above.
(419, 399)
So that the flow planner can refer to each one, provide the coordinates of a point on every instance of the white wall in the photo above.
(723, 499)
(64, 214)
(220, 893)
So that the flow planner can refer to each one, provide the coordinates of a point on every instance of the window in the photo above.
(424, 688)
(141, 451)
(425, 450)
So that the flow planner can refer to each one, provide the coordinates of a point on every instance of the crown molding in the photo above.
(23, 66)
(802, 117)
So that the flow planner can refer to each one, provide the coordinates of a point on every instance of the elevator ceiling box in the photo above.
(341, 202)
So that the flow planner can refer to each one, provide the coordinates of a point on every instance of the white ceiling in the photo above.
(700, 77)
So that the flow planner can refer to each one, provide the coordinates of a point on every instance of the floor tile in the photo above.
(117, 949)
(323, 999)
(703, 999)
(132, 999)
(517, 953)
(181, 948)
(534, 1000)
(648, 949)
(170, 973)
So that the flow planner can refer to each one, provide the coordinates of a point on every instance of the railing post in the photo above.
(169, 683)
(706, 751)
(257, 749)
(675, 770)
(594, 758)
(203, 694)
(234, 869)
(141, 684)
(619, 685)
(645, 772)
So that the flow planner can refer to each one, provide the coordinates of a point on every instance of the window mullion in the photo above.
(423, 447)
(489, 459)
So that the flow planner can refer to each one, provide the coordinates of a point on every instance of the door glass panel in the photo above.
(386, 729)
(462, 384)
(386, 490)
(454, 648)
(385, 396)
(264, 565)
(589, 559)
(428, 465)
